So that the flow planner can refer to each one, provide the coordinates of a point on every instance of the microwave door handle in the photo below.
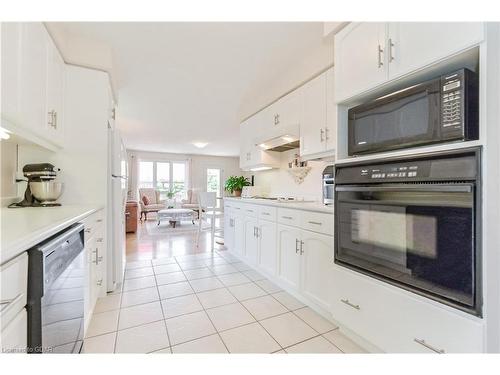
(433, 188)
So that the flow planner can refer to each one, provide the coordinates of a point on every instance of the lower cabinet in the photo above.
(251, 246)
(289, 255)
(267, 254)
(239, 235)
(396, 321)
(317, 267)
(305, 263)
(14, 336)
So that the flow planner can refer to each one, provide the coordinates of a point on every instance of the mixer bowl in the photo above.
(46, 191)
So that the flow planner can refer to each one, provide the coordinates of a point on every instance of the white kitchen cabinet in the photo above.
(285, 112)
(317, 265)
(14, 336)
(313, 121)
(33, 77)
(412, 45)
(331, 112)
(289, 256)
(267, 246)
(251, 240)
(11, 60)
(359, 58)
(228, 228)
(55, 94)
(239, 235)
(370, 54)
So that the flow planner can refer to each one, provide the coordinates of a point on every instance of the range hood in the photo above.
(280, 139)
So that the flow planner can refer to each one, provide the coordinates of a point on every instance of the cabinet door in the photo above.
(417, 44)
(99, 268)
(313, 119)
(287, 110)
(289, 255)
(317, 266)
(251, 243)
(55, 87)
(267, 246)
(33, 77)
(239, 235)
(331, 112)
(359, 58)
(11, 48)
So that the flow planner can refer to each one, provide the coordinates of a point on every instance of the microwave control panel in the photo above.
(452, 96)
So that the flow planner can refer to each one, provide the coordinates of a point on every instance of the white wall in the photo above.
(199, 164)
(279, 182)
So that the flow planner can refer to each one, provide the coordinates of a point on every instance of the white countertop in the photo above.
(306, 206)
(23, 228)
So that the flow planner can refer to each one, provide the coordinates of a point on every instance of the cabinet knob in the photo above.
(380, 51)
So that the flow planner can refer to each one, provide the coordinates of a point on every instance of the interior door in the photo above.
(416, 44)
(313, 121)
(317, 267)
(359, 64)
(289, 255)
(267, 246)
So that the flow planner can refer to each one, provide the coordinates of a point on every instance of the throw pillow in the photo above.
(145, 200)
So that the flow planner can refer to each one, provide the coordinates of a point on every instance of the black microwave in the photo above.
(439, 110)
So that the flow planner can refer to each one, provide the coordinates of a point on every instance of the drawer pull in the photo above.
(346, 301)
(88, 230)
(99, 239)
(266, 213)
(423, 343)
(287, 217)
(315, 222)
(250, 210)
(99, 220)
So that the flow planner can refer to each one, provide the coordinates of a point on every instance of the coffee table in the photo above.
(174, 215)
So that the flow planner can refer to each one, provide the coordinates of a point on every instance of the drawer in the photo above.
(289, 216)
(317, 222)
(15, 334)
(94, 225)
(14, 287)
(268, 213)
(250, 210)
(397, 321)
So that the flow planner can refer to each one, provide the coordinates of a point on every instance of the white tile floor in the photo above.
(207, 303)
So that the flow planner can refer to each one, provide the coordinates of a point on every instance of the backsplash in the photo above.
(279, 182)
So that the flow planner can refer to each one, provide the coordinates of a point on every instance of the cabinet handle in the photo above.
(287, 217)
(55, 119)
(315, 222)
(266, 213)
(346, 301)
(99, 282)
(301, 247)
(87, 230)
(100, 239)
(423, 343)
(257, 232)
(276, 119)
(296, 246)
(96, 252)
(249, 210)
(321, 132)
(99, 220)
(327, 137)
(380, 51)
(391, 46)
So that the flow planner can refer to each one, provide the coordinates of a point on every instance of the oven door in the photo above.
(406, 118)
(419, 236)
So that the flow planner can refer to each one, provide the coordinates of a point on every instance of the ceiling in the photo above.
(179, 83)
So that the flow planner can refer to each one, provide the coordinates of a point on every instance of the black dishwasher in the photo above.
(56, 293)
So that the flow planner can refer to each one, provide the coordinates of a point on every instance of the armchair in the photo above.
(154, 203)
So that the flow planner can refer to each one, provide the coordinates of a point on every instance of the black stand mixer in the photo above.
(38, 177)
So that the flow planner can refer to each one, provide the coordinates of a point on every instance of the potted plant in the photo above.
(171, 196)
(234, 185)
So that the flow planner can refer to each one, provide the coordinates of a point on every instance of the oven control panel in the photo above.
(391, 172)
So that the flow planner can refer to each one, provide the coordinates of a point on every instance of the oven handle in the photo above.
(436, 188)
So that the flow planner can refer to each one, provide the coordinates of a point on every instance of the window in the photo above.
(165, 176)
(213, 181)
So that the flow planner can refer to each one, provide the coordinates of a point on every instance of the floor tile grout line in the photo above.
(163, 313)
(208, 316)
(264, 328)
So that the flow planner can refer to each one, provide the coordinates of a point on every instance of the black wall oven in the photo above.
(439, 110)
(414, 222)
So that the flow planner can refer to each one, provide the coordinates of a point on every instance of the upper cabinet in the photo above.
(369, 54)
(35, 82)
(318, 116)
(359, 58)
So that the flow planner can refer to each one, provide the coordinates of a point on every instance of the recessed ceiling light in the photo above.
(200, 144)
